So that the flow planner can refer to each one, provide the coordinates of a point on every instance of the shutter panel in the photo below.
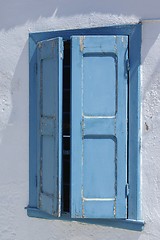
(49, 108)
(99, 127)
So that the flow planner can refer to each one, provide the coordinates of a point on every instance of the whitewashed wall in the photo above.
(17, 19)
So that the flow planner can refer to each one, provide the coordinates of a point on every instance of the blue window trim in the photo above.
(134, 140)
(129, 224)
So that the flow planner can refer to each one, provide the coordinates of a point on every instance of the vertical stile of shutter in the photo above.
(99, 127)
(49, 138)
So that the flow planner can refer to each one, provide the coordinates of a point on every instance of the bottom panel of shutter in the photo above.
(98, 209)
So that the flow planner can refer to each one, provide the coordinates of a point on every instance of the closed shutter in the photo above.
(99, 127)
(49, 108)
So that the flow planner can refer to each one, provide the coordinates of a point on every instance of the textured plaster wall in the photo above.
(151, 126)
(16, 21)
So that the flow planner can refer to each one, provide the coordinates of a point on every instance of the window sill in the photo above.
(129, 224)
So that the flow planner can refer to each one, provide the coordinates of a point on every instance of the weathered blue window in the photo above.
(84, 124)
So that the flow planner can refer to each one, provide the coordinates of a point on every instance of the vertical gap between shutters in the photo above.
(66, 129)
(127, 129)
(41, 111)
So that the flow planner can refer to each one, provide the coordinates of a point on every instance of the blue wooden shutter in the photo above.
(49, 108)
(99, 127)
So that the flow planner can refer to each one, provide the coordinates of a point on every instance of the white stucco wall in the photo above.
(16, 21)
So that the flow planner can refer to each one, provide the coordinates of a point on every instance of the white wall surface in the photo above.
(17, 19)
(20, 11)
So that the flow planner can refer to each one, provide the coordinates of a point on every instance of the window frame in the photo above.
(134, 133)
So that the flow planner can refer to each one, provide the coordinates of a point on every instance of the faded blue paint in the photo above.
(99, 154)
(32, 124)
(134, 34)
(134, 198)
(49, 125)
(130, 30)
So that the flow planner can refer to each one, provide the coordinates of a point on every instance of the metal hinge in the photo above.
(128, 65)
(127, 189)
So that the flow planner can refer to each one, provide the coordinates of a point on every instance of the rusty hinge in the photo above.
(127, 189)
(128, 65)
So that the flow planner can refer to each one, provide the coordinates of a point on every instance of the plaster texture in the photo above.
(16, 21)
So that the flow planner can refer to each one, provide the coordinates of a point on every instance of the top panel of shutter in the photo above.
(49, 138)
(99, 126)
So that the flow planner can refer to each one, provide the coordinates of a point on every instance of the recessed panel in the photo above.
(103, 207)
(48, 165)
(48, 100)
(99, 168)
(99, 85)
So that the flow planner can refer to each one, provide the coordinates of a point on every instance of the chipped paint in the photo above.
(115, 46)
(100, 117)
(98, 199)
(61, 50)
(61, 55)
(114, 208)
(81, 43)
(115, 185)
(59, 197)
(82, 126)
(39, 45)
(40, 185)
(82, 194)
(82, 190)
(115, 130)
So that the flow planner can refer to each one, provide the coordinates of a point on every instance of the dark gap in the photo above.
(66, 129)
(128, 99)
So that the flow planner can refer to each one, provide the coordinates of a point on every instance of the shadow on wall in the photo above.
(20, 90)
(20, 112)
(14, 144)
(18, 12)
(14, 150)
